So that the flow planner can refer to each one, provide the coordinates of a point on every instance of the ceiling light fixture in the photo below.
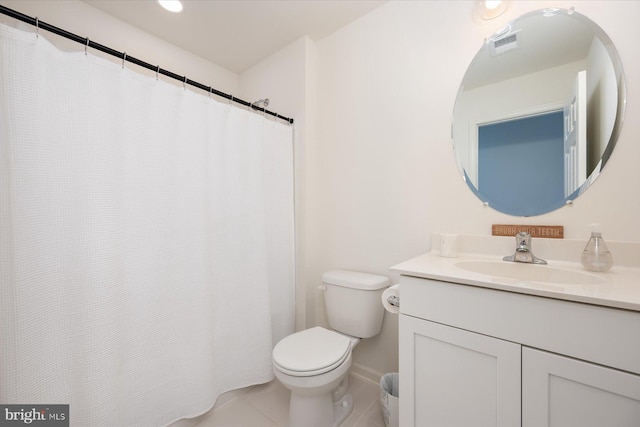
(171, 5)
(491, 9)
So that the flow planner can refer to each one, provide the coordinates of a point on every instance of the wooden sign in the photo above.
(544, 231)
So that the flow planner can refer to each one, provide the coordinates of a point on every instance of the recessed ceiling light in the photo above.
(492, 4)
(491, 9)
(171, 5)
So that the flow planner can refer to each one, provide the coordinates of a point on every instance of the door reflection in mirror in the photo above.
(521, 163)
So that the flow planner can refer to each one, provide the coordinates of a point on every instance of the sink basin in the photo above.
(530, 272)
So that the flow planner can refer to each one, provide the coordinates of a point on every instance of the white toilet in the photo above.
(314, 363)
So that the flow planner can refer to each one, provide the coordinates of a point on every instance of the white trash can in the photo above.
(389, 399)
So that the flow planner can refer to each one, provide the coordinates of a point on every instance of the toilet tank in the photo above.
(354, 302)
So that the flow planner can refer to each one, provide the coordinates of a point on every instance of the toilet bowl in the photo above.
(314, 363)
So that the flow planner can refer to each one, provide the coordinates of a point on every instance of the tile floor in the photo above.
(267, 405)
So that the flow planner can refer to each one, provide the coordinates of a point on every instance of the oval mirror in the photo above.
(538, 112)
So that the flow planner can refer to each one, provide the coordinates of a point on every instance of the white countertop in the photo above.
(618, 287)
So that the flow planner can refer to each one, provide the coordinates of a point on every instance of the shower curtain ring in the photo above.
(210, 90)
(231, 100)
(184, 83)
(124, 58)
(37, 27)
(157, 72)
(86, 46)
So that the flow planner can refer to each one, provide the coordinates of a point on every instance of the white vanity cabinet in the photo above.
(475, 356)
(458, 378)
(561, 391)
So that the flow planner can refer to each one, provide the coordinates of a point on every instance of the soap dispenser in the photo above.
(596, 255)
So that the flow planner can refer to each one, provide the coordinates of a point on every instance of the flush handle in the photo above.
(394, 300)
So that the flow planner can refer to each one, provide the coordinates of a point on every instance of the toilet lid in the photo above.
(311, 352)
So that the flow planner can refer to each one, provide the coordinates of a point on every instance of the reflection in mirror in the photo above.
(538, 112)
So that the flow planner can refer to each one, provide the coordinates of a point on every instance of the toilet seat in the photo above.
(311, 352)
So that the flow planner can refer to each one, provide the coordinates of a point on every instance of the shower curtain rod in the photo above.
(123, 55)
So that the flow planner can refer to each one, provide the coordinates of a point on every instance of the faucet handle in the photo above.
(523, 239)
(523, 250)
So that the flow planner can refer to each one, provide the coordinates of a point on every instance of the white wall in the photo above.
(386, 175)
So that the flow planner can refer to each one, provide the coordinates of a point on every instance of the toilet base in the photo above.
(319, 400)
(325, 412)
(342, 409)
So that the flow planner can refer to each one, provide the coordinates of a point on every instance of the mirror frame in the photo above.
(618, 121)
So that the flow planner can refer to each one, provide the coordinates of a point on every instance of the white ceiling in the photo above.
(237, 34)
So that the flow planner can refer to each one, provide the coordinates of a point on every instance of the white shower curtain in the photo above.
(146, 239)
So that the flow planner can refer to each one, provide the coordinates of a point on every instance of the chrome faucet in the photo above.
(523, 251)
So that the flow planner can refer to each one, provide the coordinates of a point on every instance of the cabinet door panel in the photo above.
(452, 377)
(558, 391)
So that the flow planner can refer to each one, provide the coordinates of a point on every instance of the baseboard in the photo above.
(188, 422)
(365, 373)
